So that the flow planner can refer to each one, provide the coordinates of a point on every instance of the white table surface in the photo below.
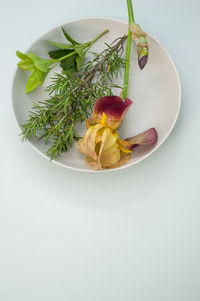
(123, 236)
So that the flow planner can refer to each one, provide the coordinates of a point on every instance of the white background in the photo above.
(123, 236)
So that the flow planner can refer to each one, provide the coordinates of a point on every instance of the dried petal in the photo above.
(88, 143)
(123, 160)
(109, 152)
(100, 145)
(148, 137)
(111, 139)
(111, 156)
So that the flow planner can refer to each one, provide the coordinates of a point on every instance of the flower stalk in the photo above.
(128, 49)
(139, 36)
(101, 143)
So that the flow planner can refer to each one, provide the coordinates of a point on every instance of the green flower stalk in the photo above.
(139, 36)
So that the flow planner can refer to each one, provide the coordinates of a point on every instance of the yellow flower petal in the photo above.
(111, 138)
(111, 156)
(103, 140)
(123, 160)
(94, 164)
(124, 146)
(124, 150)
(87, 143)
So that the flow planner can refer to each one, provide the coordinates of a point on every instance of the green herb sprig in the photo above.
(71, 100)
(70, 57)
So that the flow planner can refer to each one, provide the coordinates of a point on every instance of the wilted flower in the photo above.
(101, 143)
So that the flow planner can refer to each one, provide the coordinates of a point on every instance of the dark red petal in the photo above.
(112, 106)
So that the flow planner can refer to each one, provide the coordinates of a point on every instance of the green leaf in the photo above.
(35, 79)
(42, 76)
(56, 54)
(60, 45)
(71, 70)
(67, 36)
(21, 55)
(69, 64)
(26, 64)
(79, 61)
(80, 56)
(33, 82)
(41, 64)
(79, 50)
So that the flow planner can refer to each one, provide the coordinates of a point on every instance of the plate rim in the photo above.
(127, 165)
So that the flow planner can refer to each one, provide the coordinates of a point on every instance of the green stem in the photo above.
(130, 11)
(99, 36)
(128, 49)
(126, 73)
(66, 56)
(88, 44)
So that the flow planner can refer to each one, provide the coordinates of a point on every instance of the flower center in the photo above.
(103, 119)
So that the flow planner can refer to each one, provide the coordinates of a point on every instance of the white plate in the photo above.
(155, 91)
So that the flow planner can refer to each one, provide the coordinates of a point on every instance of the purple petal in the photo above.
(148, 137)
(143, 61)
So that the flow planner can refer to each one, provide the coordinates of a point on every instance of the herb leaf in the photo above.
(21, 55)
(79, 62)
(69, 64)
(80, 56)
(60, 45)
(26, 64)
(33, 82)
(67, 36)
(41, 64)
(35, 79)
(38, 66)
(56, 54)
(79, 50)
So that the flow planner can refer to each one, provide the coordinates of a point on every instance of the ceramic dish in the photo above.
(155, 91)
